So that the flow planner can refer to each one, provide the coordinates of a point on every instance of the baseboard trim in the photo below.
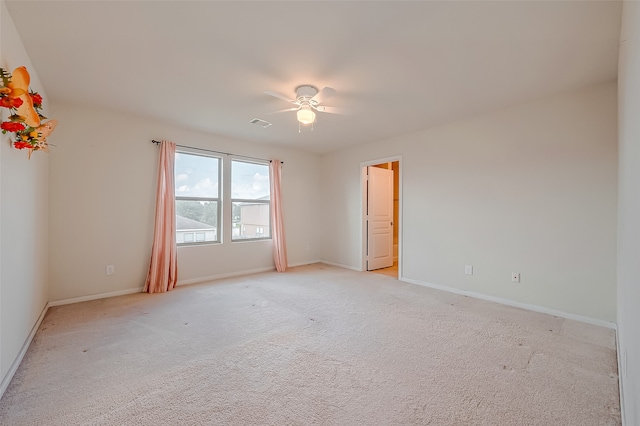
(340, 265)
(240, 273)
(179, 283)
(23, 351)
(620, 380)
(508, 302)
(94, 297)
(221, 276)
(310, 262)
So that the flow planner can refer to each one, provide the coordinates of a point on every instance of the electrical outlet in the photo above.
(111, 269)
(515, 277)
(468, 269)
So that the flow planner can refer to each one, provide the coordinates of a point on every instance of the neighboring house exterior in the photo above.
(253, 221)
(190, 231)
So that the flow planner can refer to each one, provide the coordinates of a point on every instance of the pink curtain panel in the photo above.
(277, 224)
(163, 270)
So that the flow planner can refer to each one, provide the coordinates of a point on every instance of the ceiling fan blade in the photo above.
(323, 95)
(333, 110)
(279, 96)
(284, 110)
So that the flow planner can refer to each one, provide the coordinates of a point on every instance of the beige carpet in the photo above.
(317, 345)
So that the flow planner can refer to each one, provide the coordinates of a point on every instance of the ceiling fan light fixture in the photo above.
(306, 115)
(308, 100)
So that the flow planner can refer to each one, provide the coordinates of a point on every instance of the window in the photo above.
(197, 198)
(250, 200)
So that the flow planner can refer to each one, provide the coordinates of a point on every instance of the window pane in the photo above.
(249, 181)
(250, 220)
(196, 176)
(196, 221)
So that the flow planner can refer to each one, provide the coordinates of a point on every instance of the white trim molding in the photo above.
(310, 262)
(515, 304)
(179, 283)
(229, 275)
(622, 369)
(94, 297)
(25, 346)
(340, 265)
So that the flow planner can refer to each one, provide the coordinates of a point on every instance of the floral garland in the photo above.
(25, 112)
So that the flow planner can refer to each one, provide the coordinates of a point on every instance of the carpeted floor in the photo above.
(317, 345)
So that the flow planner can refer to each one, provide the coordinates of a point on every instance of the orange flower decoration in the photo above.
(20, 84)
(23, 145)
(10, 126)
(9, 102)
(45, 129)
(25, 112)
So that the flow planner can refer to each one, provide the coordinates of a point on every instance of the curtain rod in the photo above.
(217, 152)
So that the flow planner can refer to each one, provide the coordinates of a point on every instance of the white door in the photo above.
(379, 218)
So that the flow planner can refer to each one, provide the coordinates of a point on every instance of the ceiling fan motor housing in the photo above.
(308, 100)
(305, 93)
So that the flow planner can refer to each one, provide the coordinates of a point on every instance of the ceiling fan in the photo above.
(307, 101)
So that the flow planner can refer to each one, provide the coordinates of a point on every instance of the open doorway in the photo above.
(381, 216)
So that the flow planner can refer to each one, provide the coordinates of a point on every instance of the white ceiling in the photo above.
(398, 66)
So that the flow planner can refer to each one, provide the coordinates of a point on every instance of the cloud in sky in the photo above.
(205, 188)
(197, 176)
(250, 187)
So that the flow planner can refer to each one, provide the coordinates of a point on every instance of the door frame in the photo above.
(363, 209)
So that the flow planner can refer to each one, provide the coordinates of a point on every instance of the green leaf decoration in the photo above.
(16, 117)
(5, 76)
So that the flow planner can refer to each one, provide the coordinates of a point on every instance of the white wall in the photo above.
(529, 189)
(24, 200)
(103, 178)
(629, 211)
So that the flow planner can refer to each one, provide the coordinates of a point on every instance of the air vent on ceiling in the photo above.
(260, 123)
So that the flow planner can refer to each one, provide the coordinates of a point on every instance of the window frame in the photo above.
(244, 200)
(218, 201)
